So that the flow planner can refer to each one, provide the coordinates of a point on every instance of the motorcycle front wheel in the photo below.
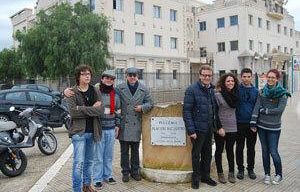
(47, 143)
(13, 164)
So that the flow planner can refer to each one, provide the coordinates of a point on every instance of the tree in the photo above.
(64, 38)
(10, 68)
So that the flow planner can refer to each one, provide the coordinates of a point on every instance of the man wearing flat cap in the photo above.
(135, 100)
(110, 121)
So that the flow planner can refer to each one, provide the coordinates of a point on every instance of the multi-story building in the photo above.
(258, 34)
(177, 36)
(22, 21)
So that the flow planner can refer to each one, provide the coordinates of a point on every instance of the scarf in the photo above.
(111, 91)
(133, 87)
(274, 92)
(231, 97)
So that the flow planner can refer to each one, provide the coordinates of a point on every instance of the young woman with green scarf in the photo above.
(266, 118)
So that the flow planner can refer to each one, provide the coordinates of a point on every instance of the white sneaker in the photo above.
(277, 179)
(267, 179)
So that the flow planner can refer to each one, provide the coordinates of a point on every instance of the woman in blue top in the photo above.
(266, 117)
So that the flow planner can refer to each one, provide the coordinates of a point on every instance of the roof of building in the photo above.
(21, 11)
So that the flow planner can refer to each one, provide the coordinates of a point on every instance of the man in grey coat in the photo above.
(135, 100)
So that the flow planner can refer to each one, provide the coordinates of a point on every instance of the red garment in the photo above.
(112, 101)
(109, 89)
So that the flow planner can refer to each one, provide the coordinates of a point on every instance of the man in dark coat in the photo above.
(200, 115)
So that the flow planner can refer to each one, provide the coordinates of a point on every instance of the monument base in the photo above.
(166, 176)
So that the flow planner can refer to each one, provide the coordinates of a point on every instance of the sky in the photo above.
(10, 7)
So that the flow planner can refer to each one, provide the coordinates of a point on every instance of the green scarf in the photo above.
(275, 91)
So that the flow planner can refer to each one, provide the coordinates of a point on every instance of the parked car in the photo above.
(24, 98)
(36, 87)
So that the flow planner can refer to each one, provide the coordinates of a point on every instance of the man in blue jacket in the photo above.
(247, 98)
(200, 115)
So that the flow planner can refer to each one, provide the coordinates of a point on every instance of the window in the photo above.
(43, 88)
(173, 43)
(234, 20)
(139, 7)
(279, 48)
(156, 11)
(259, 22)
(297, 44)
(234, 71)
(173, 15)
(285, 49)
(36, 96)
(202, 26)
(203, 52)
(291, 51)
(291, 32)
(268, 25)
(285, 30)
(157, 41)
(234, 45)
(250, 19)
(221, 22)
(118, 5)
(16, 96)
(139, 39)
(278, 28)
(268, 48)
(221, 46)
(251, 45)
(222, 72)
(174, 74)
(158, 73)
(119, 36)
(141, 73)
(260, 47)
(92, 5)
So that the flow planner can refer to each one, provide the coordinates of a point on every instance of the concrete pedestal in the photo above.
(169, 164)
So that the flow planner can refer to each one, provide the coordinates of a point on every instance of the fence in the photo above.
(164, 87)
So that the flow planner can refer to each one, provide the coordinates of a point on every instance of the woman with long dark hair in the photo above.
(266, 117)
(227, 99)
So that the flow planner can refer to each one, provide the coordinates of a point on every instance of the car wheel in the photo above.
(4, 117)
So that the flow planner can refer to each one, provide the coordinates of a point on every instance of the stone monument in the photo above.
(166, 146)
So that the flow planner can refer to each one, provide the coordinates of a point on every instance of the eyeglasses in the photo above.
(131, 75)
(85, 74)
(205, 75)
(270, 77)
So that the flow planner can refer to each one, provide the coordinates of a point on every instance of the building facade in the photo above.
(178, 36)
(258, 34)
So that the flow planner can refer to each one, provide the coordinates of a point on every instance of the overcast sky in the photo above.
(9, 7)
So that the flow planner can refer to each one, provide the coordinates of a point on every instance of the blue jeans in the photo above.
(269, 143)
(83, 154)
(104, 152)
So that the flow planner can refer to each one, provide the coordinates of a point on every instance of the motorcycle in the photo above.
(65, 115)
(13, 161)
(33, 125)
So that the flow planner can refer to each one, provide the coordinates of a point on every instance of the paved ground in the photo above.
(289, 149)
(38, 164)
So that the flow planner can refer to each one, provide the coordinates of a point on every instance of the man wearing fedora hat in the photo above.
(135, 100)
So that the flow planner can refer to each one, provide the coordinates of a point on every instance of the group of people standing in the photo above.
(233, 113)
(100, 114)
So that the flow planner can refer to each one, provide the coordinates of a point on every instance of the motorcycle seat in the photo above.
(7, 125)
(43, 111)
